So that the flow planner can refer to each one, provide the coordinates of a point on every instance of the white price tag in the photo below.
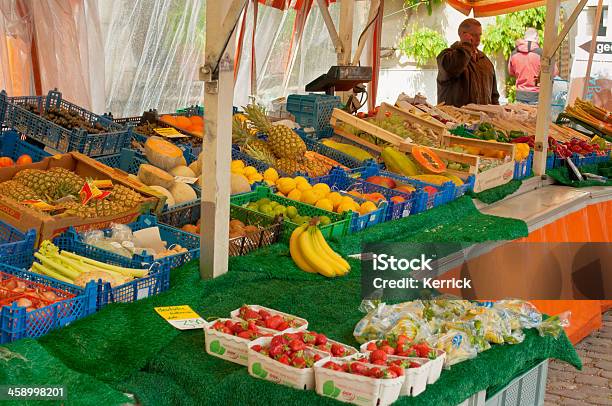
(405, 213)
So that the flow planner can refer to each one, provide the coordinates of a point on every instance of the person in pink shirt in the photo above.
(524, 64)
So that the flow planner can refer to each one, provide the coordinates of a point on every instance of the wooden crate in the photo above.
(339, 116)
(506, 148)
(497, 176)
(437, 127)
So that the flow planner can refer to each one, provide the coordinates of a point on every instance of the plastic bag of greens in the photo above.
(468, 327)
(516, 337)
(520, 313)
(446, 308)
(380, 321)
(553, 326)
(456, 344)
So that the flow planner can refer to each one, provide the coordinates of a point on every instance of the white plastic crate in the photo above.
(264, 367)
(225, 346)
(356, 389)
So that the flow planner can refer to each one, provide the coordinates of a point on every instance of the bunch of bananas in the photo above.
(312, 254)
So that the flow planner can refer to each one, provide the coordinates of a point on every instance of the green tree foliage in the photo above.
(422, 44)
(500, 38)
(408, 4)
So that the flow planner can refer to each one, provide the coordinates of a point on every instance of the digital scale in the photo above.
(344, 79)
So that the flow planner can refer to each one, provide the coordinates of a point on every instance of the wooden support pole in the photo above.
(217, 142)
(547, 67)
(374, 6)
(329, 23)
(568, 26)
(347, 13)
(587, 76)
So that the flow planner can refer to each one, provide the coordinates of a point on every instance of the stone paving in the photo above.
(592, 385)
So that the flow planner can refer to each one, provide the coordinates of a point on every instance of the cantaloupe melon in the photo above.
(182, 171)
(169, 198)
(240, 184)
(163, 154)
(152, 176)
(182, 193)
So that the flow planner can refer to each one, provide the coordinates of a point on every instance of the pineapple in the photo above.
(248, 141)
(17, 191)
(283, 141)
(288, 166)
(316, 168)
(52, 184)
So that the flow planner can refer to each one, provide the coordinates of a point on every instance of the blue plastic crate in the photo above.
(16, 323)
(312, 110)
(14, 115)
(523, 169)
(425, 201)
(156, 281)
(339, 180)
(16, 247)
(13, 147)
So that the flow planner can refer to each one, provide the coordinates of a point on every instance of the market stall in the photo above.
(244, 196)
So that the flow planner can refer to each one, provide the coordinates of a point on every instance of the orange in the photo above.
(367, 207)
(197, 120)
(166, 118)
(325, 204)
(345, 206)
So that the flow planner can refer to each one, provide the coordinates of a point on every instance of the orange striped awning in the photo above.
(488, 8)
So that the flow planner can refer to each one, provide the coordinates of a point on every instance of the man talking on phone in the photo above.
(465, 74)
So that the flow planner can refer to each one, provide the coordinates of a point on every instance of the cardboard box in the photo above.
(47, 226)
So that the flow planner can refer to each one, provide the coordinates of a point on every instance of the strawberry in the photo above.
(256, 348)
(378, 362)
(321, 339)
(402, 339)
(371, 346)
(245, 334)
(229, 323)
(358, 368)
(331, 365)
(238, 328)
(249, 314)
(283, 359)
(317, 357)
(273, 322)
(375, 373)
(275, 350)
(264, 314)
(388, 349)
(296, 345)
(389, 374)
(422, 349)
(414, 365)
(433, 354)
(291, 336)
(399, 371)
(282, 326)
(298, 362)
(337, 350)
(378, 355)
(278, 340)
(310, 337)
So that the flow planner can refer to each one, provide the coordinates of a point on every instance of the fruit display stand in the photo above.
(48, 226)
(23, 114)
(339, 225)
(70, 303)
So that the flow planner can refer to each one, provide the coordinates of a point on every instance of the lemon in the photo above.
(237, 166)
(302, 187)
(325, 204)
(347, 200)
(256, 177)
(310, 196)
(300, 179)
(295, 194)
(249, 170)
(270, 174)
(323, 187)
(285, 185)
(335, 198)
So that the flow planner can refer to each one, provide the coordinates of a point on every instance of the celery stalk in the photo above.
(38, 268)
(135, 273)
(57, 267)
(75, 263)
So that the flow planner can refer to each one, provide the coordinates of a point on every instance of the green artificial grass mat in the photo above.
(497, 193)
(561, 175)
(129, 348)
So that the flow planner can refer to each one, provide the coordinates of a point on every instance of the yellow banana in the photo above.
(341, 262)
(296, 253)
(312, 257)
(338, 269)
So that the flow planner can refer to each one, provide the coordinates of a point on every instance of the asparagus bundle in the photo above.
(78, 270)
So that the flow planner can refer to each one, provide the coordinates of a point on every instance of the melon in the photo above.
(182, 193)
(152, 176)
(182, 171)
(240, 184)
(169, 198)
(163, 154)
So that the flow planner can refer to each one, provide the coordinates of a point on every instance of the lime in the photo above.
(264, 200)
(266, 209)
(253, 206)
(280, 210)
(291, 212)
(324, 220)
(274, 204)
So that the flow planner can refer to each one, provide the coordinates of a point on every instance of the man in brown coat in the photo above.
(465, 74)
